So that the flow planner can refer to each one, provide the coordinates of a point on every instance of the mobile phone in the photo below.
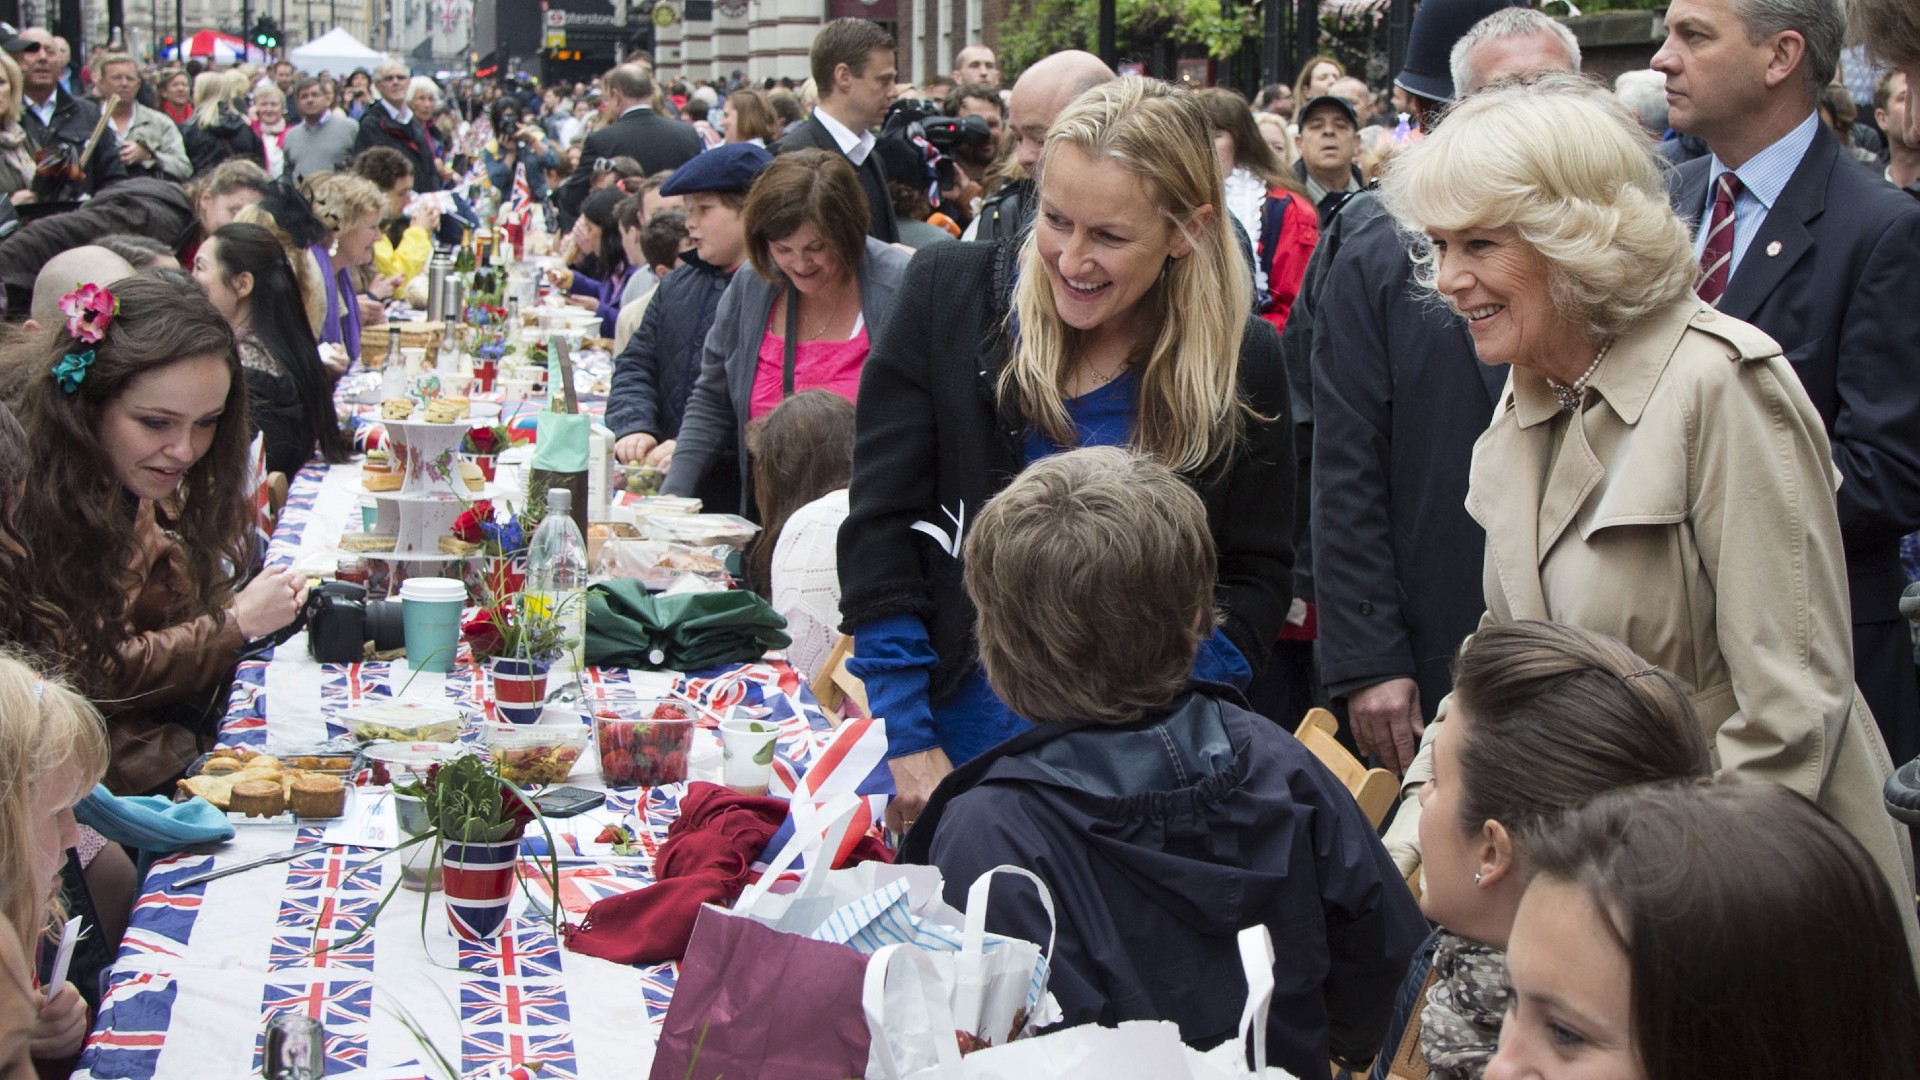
(568, 801)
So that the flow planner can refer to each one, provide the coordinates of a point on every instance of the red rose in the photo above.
(483, 441)
(482, 631)
(466, 527)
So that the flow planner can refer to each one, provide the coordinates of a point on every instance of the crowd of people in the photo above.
(1562, 438)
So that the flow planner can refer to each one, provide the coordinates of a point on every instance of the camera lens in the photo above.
(384, 627)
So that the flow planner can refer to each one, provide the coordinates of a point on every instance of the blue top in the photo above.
(895, 659)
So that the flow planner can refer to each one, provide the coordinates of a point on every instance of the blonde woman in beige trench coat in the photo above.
(1654, 470)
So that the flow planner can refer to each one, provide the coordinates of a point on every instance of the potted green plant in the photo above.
(474, 820)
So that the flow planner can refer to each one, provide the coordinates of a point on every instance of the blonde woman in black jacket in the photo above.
(1120, 319)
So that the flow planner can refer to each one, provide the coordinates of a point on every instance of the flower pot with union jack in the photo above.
(478, 882)
(519, 688)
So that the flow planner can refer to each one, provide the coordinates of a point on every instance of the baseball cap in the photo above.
(1345, 106)
(11, 41)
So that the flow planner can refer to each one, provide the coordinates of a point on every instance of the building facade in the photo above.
(770, 38)
(151, 22)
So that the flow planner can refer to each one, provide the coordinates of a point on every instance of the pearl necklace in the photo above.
(1569, 396)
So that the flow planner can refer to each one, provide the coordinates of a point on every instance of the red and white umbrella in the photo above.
(218, 48)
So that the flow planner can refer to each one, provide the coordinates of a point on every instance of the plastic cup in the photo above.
(643, 742)
(369, 514)
(430, 614)
(420, 871)
(746, 754)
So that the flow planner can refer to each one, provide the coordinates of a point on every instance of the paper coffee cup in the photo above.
(430, 614)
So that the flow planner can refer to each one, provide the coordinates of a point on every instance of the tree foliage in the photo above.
(1034, 28)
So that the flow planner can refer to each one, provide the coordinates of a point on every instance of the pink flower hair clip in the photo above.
(89, 309)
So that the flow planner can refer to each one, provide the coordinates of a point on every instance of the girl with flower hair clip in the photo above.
(137, 526)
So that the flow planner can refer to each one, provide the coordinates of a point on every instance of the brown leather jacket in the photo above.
(173, 671)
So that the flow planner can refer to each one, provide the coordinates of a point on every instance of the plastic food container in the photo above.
(701, 530)
(404, 721)
(643, 742)
(404, 761)
(535, 753)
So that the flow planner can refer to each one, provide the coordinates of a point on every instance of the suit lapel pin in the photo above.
(1773, 249)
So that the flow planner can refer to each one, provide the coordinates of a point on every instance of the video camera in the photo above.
(918, 116)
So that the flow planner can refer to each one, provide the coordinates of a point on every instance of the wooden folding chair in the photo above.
(276, 496)
(833, 685)
(1373, 789)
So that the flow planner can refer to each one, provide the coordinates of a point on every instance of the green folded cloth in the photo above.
(629, 627)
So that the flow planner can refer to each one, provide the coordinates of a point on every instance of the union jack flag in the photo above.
(327, 911)
(330, 1001)
(524, 950)
(513, 1004)
(246, 719)
(139, 941)
(349, 684)
(520, 203)
(299, 952)
(165, 913)
(553, 1049)
(854, 760)
(329, 870)
(582, 886)
(656, 989)
(131, 1031)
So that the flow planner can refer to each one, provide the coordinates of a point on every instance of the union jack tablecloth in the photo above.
(204, 967)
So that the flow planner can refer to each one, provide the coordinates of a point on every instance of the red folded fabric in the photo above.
(707, 859)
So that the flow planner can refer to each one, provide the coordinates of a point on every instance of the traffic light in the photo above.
(266, 32)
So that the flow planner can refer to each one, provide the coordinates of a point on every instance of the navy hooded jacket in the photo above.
(654, 376)
(1160, 841)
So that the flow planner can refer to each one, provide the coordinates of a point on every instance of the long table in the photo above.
(203, 967)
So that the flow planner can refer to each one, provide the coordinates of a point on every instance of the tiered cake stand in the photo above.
(432, 493)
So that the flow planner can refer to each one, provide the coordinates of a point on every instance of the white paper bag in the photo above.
(993, 985)
(901, 1010)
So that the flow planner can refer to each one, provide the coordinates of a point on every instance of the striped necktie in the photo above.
(1716, 258)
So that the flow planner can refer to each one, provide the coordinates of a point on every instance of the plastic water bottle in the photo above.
(393, 370)
(557, 570)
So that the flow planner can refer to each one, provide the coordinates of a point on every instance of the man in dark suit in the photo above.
(389, 122)
(634, 130)
(852, 65)
(1800, 241)
(1398, 399)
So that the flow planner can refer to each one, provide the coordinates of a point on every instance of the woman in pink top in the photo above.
(800, 321)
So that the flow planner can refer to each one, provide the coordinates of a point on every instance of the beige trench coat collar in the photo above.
(1523, 508)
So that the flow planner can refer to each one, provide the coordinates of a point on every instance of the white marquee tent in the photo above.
(336, 51)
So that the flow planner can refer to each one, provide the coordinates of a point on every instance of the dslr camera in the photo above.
(340, 620)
